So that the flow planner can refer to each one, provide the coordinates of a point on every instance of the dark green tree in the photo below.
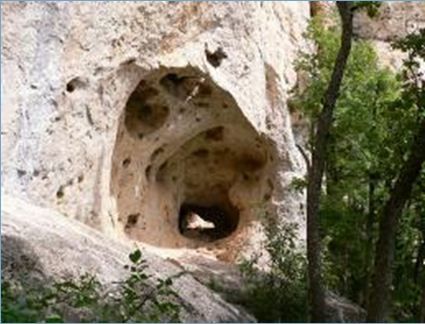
(316, 290)
(413, 95)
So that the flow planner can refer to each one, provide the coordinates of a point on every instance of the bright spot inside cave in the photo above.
(206, 223)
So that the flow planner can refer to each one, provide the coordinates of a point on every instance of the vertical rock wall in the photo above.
(119, 114)
(394, 21)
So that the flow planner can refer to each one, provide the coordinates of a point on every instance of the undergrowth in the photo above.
(138, 298)
(280, 293)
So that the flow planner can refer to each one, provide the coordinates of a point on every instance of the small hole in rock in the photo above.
(145, 113)
(163, 166)
(156, 153)
(215, 58)
(170, 81)
(180, 87)
(266, 197)
(161, 171)
(132, 220)
(215, 134)
(60, 193)
(148, 171)
(70, 87)
(126, 162)
(74, 84)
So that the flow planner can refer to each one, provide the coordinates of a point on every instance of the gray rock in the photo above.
(40, 244)
(117, 114)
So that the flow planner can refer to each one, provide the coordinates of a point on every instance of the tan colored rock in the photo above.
(394, 20)
(118, 114)
(40, 244)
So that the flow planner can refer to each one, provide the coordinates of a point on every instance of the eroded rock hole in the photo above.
(215, 58)
(171, 82)
(207, 223)
(215, 134)
(186, 87)
(146, 111)
(148, 171)
(60, 193)
(132, 220)
(75, 83)
(196, 164)
(126, 162)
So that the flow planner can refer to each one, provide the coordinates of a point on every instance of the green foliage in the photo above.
(412, 76)
(376, 118)
(298, 184)
(136, 299)
(278, 294)
(409, 268)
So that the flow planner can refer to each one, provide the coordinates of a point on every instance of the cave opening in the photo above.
(187, 165)
(207, 223)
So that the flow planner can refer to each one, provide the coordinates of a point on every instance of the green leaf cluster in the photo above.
(278, 294)
(138, 298)
(375, 120)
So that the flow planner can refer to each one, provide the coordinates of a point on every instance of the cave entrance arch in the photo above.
(183, 147)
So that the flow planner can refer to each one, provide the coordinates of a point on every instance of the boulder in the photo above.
(41, 245)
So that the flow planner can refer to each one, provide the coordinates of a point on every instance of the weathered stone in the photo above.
(342, 310)
(117, 114)
(120, 115)
(394, 21)
(41, 245)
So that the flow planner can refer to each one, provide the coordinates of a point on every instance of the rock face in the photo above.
(130, 117)
(394, 21)
(120, 115)
(33, 242)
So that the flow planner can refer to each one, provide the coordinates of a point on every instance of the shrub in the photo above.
(279, 294)
(136, 299)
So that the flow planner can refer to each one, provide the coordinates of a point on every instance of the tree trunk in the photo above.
(378, 307)
(316, 289)
(369, 239)
(419, 261)
(419, 276)
(422, 306)
(331, 172)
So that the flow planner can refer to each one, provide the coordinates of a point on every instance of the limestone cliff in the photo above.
(121, 115)
(394, 21)
(161, 123)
